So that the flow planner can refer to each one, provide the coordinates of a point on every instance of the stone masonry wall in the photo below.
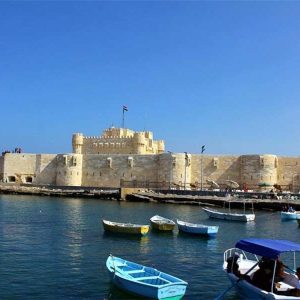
(107, 170)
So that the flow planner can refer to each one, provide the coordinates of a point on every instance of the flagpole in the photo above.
(123, 117)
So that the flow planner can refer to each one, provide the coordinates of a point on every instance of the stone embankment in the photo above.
(257, 201)
(232, 201)
(60, 191)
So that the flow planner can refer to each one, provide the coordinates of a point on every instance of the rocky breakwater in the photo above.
(112, 194)
(232, 201)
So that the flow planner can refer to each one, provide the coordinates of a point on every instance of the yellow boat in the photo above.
(125, 228)
(161, 223)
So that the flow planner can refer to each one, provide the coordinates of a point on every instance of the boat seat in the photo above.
(154, 280)
(135, 271)
(148, 277)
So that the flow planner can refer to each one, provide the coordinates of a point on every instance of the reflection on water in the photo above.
(56, 248)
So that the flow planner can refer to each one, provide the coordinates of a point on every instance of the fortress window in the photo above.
(77, 173)
(11, 179)
(71, 173)
(251, 177)
(109, 162)
(130, 162)
(100, 173)
(93, 174)
(215, 162)
(28, 179)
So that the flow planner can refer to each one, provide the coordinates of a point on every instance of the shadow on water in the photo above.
(123, 236)
(115, 293)
(186, 235)
(163, 233)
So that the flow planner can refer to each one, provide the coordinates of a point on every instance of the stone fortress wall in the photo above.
(105, 166)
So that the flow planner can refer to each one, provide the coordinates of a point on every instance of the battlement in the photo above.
(118, 141)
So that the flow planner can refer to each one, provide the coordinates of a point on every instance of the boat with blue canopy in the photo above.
(144, 281)
(256, 271)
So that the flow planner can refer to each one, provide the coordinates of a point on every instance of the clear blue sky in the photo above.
(223, 74)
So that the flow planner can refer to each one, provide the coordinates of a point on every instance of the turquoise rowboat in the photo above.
(144, 281)
(288, 215)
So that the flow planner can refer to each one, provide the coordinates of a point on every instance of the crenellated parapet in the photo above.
(118, 141)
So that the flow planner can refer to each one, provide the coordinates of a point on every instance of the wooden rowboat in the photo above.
(161, 223)
(125, 228)
(289, 215)
(201, 229)
(229, 216)
(144, 281)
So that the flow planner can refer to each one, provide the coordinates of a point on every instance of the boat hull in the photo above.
(248, 291)
(162, 226)
(129, 277)
(125, 228)
(285, 216)
(229, 216)
(210, 231)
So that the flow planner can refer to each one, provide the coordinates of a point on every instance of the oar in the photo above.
(221, 296)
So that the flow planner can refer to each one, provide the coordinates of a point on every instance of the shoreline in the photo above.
(152, 196)
(112, 194)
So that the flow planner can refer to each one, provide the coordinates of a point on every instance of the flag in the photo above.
(125, 108)
(202, 148)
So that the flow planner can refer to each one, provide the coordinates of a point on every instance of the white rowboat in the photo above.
(229, 216)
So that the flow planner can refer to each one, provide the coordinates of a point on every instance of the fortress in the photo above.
(121, 155)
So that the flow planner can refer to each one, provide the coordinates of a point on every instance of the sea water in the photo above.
(56, 248)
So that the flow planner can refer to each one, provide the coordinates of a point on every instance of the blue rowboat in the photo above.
(197, 228)
(288, 215)
(144, 281)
